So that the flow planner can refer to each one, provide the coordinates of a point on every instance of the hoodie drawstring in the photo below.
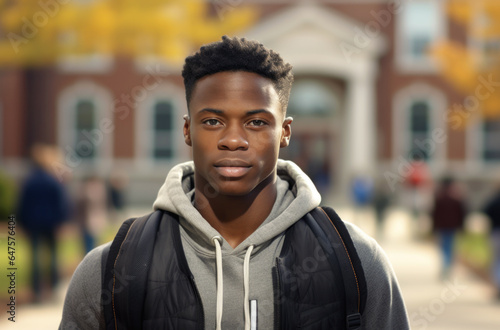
(246, 272)
(220, 290)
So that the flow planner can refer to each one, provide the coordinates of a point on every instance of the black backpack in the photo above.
(330, 230)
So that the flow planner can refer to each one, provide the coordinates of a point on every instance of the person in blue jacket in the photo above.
(42, 207)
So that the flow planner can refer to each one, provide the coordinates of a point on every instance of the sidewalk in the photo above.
(462, 302)
(45, 316)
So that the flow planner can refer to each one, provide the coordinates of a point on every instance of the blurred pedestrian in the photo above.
(91, 210)
(361, 195)
(116, 195)
(362, 190)
(43, 206)
(381, 202)
(492, 210)
(448, 216)
(419, 183)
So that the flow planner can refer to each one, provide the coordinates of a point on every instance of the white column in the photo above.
(360, 130)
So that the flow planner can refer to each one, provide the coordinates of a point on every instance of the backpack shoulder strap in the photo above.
(350, 264)
(128, 260)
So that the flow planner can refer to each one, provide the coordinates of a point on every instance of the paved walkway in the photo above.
(462, 302)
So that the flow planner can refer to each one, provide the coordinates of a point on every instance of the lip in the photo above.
(232, 168)
(232, 163)
(232, 171)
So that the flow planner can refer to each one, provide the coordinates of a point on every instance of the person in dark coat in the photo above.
(492, 210)
(448, 216)
(43, 206)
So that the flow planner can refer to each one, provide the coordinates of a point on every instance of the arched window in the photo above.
(419, 131)
(85, 117)
(159, 126)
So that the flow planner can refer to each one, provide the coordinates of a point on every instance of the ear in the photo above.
(187, 130)
(286, 132)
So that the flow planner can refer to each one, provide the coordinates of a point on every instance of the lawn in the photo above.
(475, 250)
(70, 252)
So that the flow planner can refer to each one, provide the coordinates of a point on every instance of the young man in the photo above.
(234, 224)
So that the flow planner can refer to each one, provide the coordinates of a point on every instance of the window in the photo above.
(310, 97)
(421, 23)
(163, 130)
(491, 138)
(85, 123)
(419, 129)
(158, 118)
(85, 117)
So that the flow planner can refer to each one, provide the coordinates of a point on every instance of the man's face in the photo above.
(236, 128)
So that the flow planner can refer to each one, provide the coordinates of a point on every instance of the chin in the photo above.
(234, 189)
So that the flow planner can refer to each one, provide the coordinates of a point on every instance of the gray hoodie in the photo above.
(296, 197)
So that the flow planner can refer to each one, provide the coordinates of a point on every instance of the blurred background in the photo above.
(396, 108)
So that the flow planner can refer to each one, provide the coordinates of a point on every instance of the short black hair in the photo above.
(238, 54)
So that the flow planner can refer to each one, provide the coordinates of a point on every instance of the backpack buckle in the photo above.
(353, 321)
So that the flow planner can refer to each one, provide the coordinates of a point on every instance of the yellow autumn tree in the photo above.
(467, 65)
(39, 32)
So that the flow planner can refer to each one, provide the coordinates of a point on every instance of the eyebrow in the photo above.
(248, 113)
(210, 110)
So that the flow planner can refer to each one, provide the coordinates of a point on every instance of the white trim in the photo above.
(67, 101)
(144, 123)
(96, 63)
(156, 66)
(400, 109)
(306, 16)
(407, 64)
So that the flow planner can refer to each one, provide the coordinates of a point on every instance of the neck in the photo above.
(237, 217)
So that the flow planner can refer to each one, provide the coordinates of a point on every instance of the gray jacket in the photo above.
(296, 197)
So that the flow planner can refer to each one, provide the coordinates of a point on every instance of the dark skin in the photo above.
(235, 128)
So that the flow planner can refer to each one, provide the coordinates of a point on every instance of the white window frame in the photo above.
(144, 124)
(401, 136)
(104, 105)
(406, 63)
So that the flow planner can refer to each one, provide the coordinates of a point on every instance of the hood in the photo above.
(296, 196)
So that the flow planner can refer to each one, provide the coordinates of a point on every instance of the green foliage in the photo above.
(475, 249)
(7, 196)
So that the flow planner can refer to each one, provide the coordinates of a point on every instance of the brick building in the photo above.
(368, 99)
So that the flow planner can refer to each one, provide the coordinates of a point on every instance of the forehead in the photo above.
(234, 88)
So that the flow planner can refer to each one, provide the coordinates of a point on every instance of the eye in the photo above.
(211, 122)
(257, 122)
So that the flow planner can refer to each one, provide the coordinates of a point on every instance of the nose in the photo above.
(233, 138)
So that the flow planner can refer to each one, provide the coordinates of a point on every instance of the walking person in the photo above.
(43, 206)
(492, 210)
(91, 210)
(448, 216)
